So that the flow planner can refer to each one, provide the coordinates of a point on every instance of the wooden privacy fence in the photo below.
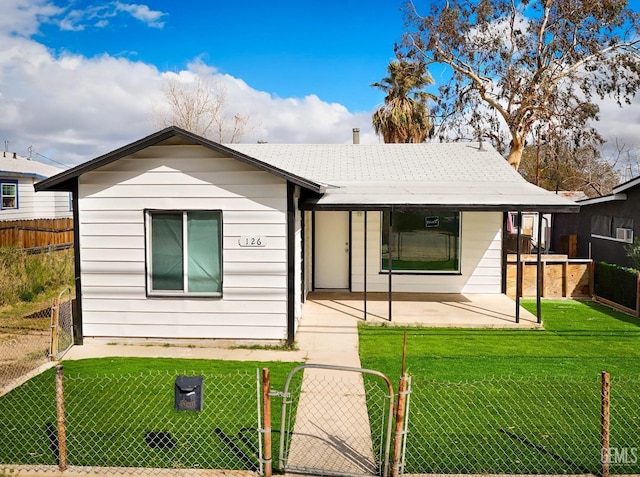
(561, 276)
(36, 233)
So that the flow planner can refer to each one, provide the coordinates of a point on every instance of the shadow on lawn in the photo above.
(614, 314)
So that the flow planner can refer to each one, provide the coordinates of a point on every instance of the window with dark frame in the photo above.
(619, 229)
(184, 254)
(422, 241)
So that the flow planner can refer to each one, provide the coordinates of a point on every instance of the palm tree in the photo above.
(404, 116)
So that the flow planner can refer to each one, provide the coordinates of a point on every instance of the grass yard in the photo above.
(120, 412)
(580, 339)
(516, 401)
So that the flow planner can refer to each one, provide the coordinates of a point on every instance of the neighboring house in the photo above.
(18, 200)
(604, 225)
(180, 237)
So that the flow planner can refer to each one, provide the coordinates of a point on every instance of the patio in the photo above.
(422, 309)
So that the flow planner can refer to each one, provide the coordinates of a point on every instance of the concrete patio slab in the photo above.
(424, 309)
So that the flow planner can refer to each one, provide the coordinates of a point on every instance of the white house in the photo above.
(181, 237)
(18, 200)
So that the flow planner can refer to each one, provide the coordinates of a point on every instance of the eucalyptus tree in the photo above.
(521, 65)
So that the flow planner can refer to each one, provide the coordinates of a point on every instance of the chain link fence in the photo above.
(24, 345)
(521, 426)
(336, 424)
(624, 452)
(129, 424)
(337, 421)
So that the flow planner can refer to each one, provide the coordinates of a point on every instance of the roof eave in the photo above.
(626, 185)
(32, 175)
(313, 204)
(602, 199)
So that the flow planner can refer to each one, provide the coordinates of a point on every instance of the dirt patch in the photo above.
(21, 353)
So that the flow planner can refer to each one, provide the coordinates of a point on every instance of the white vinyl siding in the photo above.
(112, 201)
(32, 205)
(480, 258)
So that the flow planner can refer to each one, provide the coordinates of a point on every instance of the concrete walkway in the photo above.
(331, 431)
(98, 348)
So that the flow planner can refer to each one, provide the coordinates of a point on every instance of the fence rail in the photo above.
(35, 233)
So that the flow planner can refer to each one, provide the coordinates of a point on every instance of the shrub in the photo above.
(617, 284)
(633, 252)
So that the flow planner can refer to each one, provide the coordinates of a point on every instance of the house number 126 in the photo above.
(252, 241)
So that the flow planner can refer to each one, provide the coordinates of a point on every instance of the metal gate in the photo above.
(336, 420)
(61, 324)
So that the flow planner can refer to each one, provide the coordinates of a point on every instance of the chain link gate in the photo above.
(337, 421)
(61, 324)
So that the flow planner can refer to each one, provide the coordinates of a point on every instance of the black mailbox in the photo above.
(188, 393)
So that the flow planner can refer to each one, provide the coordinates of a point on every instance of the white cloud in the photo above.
(73, 108)
(142, 13)
(23, 17)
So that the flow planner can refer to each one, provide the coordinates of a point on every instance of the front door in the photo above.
(331, 243)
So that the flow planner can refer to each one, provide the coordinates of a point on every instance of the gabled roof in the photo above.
(64, 180)
(368, 177)
(11, 164)
(618, 193)
(626, 185)
(446, 175)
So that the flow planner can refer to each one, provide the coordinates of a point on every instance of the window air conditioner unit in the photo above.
(626, 235)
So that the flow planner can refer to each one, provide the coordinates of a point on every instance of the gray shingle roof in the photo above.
(448, 174)
(26, 167)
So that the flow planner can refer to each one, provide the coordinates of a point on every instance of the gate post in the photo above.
(55, 316)
(399, 426)
(61, 420)
(266, 412)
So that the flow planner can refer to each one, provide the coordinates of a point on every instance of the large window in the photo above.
(184, 253)
(9, 191)
(421, 241)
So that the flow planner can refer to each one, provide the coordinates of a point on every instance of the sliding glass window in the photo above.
(184, 253)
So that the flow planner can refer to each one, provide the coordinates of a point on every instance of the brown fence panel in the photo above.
(34, 233)
(561, 276)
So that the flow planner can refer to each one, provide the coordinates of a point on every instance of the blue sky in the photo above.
(334, 49)
(81, 78)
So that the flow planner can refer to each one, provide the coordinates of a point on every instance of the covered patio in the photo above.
(406, 233)
(447, 310)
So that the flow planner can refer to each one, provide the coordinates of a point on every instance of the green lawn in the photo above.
(114, 405)
(516, 401)
(579, 339)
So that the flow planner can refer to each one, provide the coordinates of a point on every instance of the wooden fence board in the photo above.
(36, 232)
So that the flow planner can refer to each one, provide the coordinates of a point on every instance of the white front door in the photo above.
(331, 243)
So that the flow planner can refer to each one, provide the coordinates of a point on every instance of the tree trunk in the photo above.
(515, 153)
